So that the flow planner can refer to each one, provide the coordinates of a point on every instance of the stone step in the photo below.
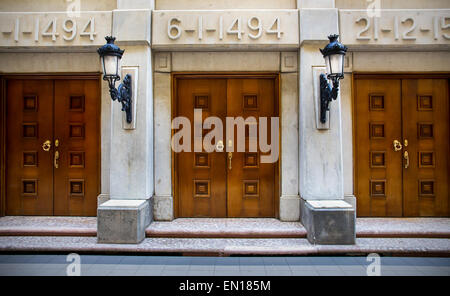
(228, 246)
(225, 228)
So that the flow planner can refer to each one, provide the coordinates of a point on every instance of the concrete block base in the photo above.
(121, 221)
(329, 222)
(289, 208)
(163, 208)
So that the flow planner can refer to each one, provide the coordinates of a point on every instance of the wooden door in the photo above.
(251, 187)
(63, 179)
(76, 178)
(29, 169)
(378, 166)
(414, 180)
(201, 175)
(426, 129)
(205, 185)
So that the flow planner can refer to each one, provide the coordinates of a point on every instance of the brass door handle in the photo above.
(55, 159)
(406, 157)
(46, 145)
(397, 145)
(230, 157)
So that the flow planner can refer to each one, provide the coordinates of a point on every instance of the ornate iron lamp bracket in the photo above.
(327, 94)
(123, 95)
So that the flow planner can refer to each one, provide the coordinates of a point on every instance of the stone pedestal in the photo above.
(123, 221)
(329, 222)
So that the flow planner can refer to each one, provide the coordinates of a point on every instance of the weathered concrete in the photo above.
(329, 222)
(123, 221)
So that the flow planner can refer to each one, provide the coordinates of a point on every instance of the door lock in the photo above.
(397, 145)
(230, 157)
(46, 145)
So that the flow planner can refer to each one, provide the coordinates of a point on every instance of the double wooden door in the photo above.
(52, 147)
(222, 183)
(402, 147)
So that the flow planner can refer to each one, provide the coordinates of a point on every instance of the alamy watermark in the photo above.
(74, 267)
(258, 135)
(374, 8)
(73, 8)
(374, 268)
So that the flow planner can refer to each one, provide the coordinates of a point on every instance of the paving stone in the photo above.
(200, 273)
(254, 272)
(277, 267)
(226, 267)
(174, 273)
(304, 273)
(123, 272)
(148, 272)
(201, 267)
(227, 273)
(278, 272)
(139, 260)
(177, 267)
(252, 267)
(329, 273)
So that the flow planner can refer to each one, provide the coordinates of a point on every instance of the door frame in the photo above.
(387, 75)
(3, 128)
(224, 75)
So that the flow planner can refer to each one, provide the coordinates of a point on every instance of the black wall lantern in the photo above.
(333, 54)
(111, 55)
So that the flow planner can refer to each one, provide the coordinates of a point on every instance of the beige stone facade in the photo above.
(161, 37)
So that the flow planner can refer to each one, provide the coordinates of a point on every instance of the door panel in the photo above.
(29, 168)
(250, 182)
(378, 124)
(426, 128)
(48, 110)
(413, 181)
(77, 107)
(201, 175)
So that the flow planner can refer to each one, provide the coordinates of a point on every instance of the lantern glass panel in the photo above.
(110, 65)
(336, 64)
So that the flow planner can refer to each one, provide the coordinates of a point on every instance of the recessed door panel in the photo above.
(251, 186)
(201, 175)
(426, 129)
(378, 165)
(29, 167)
(76, 132)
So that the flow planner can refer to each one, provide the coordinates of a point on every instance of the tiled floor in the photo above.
(107, 265)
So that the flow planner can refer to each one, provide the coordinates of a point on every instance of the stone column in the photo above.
(124, 218)
(163, 200)
(131, 160)
(320, 150)
(289, 199)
